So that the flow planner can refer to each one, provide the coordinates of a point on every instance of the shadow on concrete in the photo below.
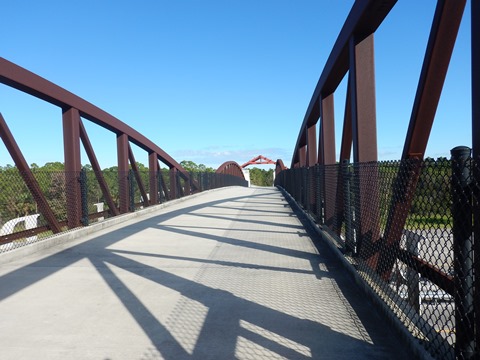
(229, 317)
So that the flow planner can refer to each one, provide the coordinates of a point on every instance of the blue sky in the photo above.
(211, 81)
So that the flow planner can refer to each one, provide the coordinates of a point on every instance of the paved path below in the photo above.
(228, 274)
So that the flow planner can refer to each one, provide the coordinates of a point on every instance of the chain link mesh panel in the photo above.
(407, 227)
(78, 199)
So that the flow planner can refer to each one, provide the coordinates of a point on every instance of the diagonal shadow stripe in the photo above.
(225, 310)
(221, 262)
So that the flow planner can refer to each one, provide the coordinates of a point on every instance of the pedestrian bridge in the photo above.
(151, 262)
(230, 273)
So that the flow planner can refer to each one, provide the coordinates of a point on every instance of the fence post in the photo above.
(463, 252)
(320, 193)
(84, 196)
(306, 189)
(350, 245)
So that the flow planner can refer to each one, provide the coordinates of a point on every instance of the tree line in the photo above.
(16, 200)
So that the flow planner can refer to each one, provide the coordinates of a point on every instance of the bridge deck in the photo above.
(222, 275)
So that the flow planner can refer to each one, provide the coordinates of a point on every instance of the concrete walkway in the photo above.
(227, 274)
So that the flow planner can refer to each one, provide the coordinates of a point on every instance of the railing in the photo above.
(69, 209)
(427, 278)
(398, 222)
(22, 221)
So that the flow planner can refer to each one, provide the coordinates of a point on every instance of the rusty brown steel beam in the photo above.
(427, 270)
(231, 168)
(443, 34)
(327, 131)
(363, 20)
(446, 22)
(312, 155)
(301, 146)
(279, 167)
(153, 183)
(362, 96)
(327, 155)
(71, 145)
(123, 188)
(364, 135)
(136, 173)
(5, 239)
(30, 83)
(97, 170)
(302, 155)
(24, 170)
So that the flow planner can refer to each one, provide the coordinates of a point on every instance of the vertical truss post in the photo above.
(327, 131)
(123, 187)
(327, 158)
(153, 183)
(363, 107)
(71, 144)
(364, 134)
(302, 156)
(312, 145)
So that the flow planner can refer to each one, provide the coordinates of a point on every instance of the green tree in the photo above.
(261, 177)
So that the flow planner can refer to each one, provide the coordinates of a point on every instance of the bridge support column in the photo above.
(71, 144)
(123, 187)
(153, 182)
(327, 157)
(364, 133)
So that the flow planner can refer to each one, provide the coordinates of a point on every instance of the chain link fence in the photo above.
(407, 228)
(34, 210)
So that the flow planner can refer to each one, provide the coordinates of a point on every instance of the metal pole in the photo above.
(463, 252)
(84, 196)
(349, 239)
